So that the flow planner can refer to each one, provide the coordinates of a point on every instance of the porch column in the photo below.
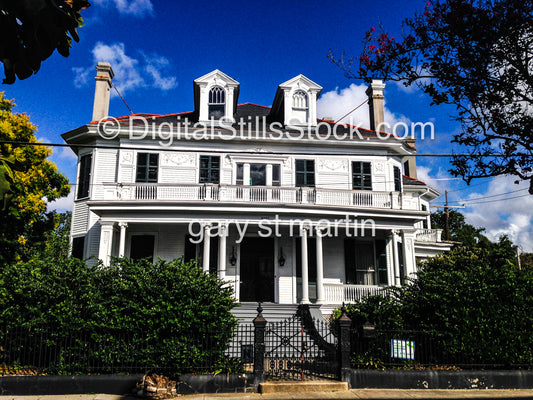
(305, 268)
(122, 243)
(106, 241)
(207, 247)
(396, 267)
(223, 231)
(409, 259)
(319, 268)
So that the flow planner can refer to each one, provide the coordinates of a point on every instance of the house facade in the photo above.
(285, 207)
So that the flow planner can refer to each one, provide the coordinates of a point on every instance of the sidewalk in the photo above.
(374, 394)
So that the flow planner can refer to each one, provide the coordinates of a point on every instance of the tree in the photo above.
(32, 29)
(473, 303)
(34, 180)
(476, 55)
(460, 231)
(477, 302)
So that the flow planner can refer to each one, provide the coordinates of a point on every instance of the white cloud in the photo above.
(507, 214)
(337, 103)
(63, 203)
(136, 8)
(131, 73)
(68, 154)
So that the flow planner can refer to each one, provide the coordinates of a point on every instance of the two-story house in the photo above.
(285, 207)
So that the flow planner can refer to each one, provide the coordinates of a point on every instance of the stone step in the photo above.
(301, 387)
(246, 312)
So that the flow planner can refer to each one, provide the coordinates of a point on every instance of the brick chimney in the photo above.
(102, 91)
(410, 164)
(375, 104)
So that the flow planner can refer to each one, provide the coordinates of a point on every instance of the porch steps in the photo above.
(301, 387)
(246, 312)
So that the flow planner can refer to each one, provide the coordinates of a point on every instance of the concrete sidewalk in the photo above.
(386, 394)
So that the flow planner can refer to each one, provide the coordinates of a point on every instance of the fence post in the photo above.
(259, 346)
(344, 347)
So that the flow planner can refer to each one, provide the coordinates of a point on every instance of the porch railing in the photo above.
(429, 235)
(257, 194)
(338, 293)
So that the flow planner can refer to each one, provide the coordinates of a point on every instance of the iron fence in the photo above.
(38, 350)
(419, 349)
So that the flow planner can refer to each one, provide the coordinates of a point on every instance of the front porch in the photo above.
(288, 266)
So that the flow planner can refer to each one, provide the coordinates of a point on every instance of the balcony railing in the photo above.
(258, 194)
(338, 293)
(429, 235)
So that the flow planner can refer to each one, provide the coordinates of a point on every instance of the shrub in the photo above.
(163, 316)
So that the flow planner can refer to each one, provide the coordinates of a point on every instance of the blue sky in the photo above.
(158, 48)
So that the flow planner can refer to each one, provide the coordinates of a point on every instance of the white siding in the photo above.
(105, 168)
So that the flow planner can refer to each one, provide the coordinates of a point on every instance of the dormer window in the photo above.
(217, 103)
(300, 107)
(215, 98)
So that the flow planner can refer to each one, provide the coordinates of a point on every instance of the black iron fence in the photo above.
(40, 350)
(418, 349)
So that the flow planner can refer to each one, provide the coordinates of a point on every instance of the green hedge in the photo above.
(164, 316)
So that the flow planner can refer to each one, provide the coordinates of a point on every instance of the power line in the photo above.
(487, 197)
(507, 198)
(360, 105)
(169, 149)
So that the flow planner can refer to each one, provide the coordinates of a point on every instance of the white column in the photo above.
(319, 268)
(223, 231)
(396, 267)
(207, 247)
(305, 269)
(390, 259)
(246, 174)
(106, 242)
(409, 259)
(122, 243)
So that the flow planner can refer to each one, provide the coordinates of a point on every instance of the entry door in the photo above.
(257, 269)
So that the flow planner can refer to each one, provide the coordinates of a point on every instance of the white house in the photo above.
(283, 206)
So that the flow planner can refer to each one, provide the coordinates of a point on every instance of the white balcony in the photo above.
(338, 293)
(429, 235)
(258, 194)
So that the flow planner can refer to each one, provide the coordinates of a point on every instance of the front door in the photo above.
(257, 269)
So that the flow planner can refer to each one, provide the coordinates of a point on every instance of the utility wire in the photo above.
(116, 89)
(169, 149)
(360, 105)
(487, 197)
(494, 201)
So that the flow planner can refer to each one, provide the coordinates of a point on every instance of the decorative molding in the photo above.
(126, 157)
(379, 168)
(170, 159)
(333, 165)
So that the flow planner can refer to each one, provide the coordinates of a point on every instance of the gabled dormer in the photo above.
(295, 102)
(215, 97)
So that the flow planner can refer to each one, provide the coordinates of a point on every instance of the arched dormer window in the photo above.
(217, 103)
(300, 106)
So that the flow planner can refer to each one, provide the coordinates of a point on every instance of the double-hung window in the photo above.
(397, 180)
(147, 167)
(362, 175)
(209, 169)
(305, 173)
(84, 177)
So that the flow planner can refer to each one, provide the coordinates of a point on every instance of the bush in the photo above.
(167, 316)
(473, 305)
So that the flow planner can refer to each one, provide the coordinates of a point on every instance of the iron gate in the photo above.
(300, 348)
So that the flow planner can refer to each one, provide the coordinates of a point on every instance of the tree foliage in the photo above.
(32, 29)
(169, 315)
(460, 231)
(473, 300)
(31, 182)
(476, 55)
